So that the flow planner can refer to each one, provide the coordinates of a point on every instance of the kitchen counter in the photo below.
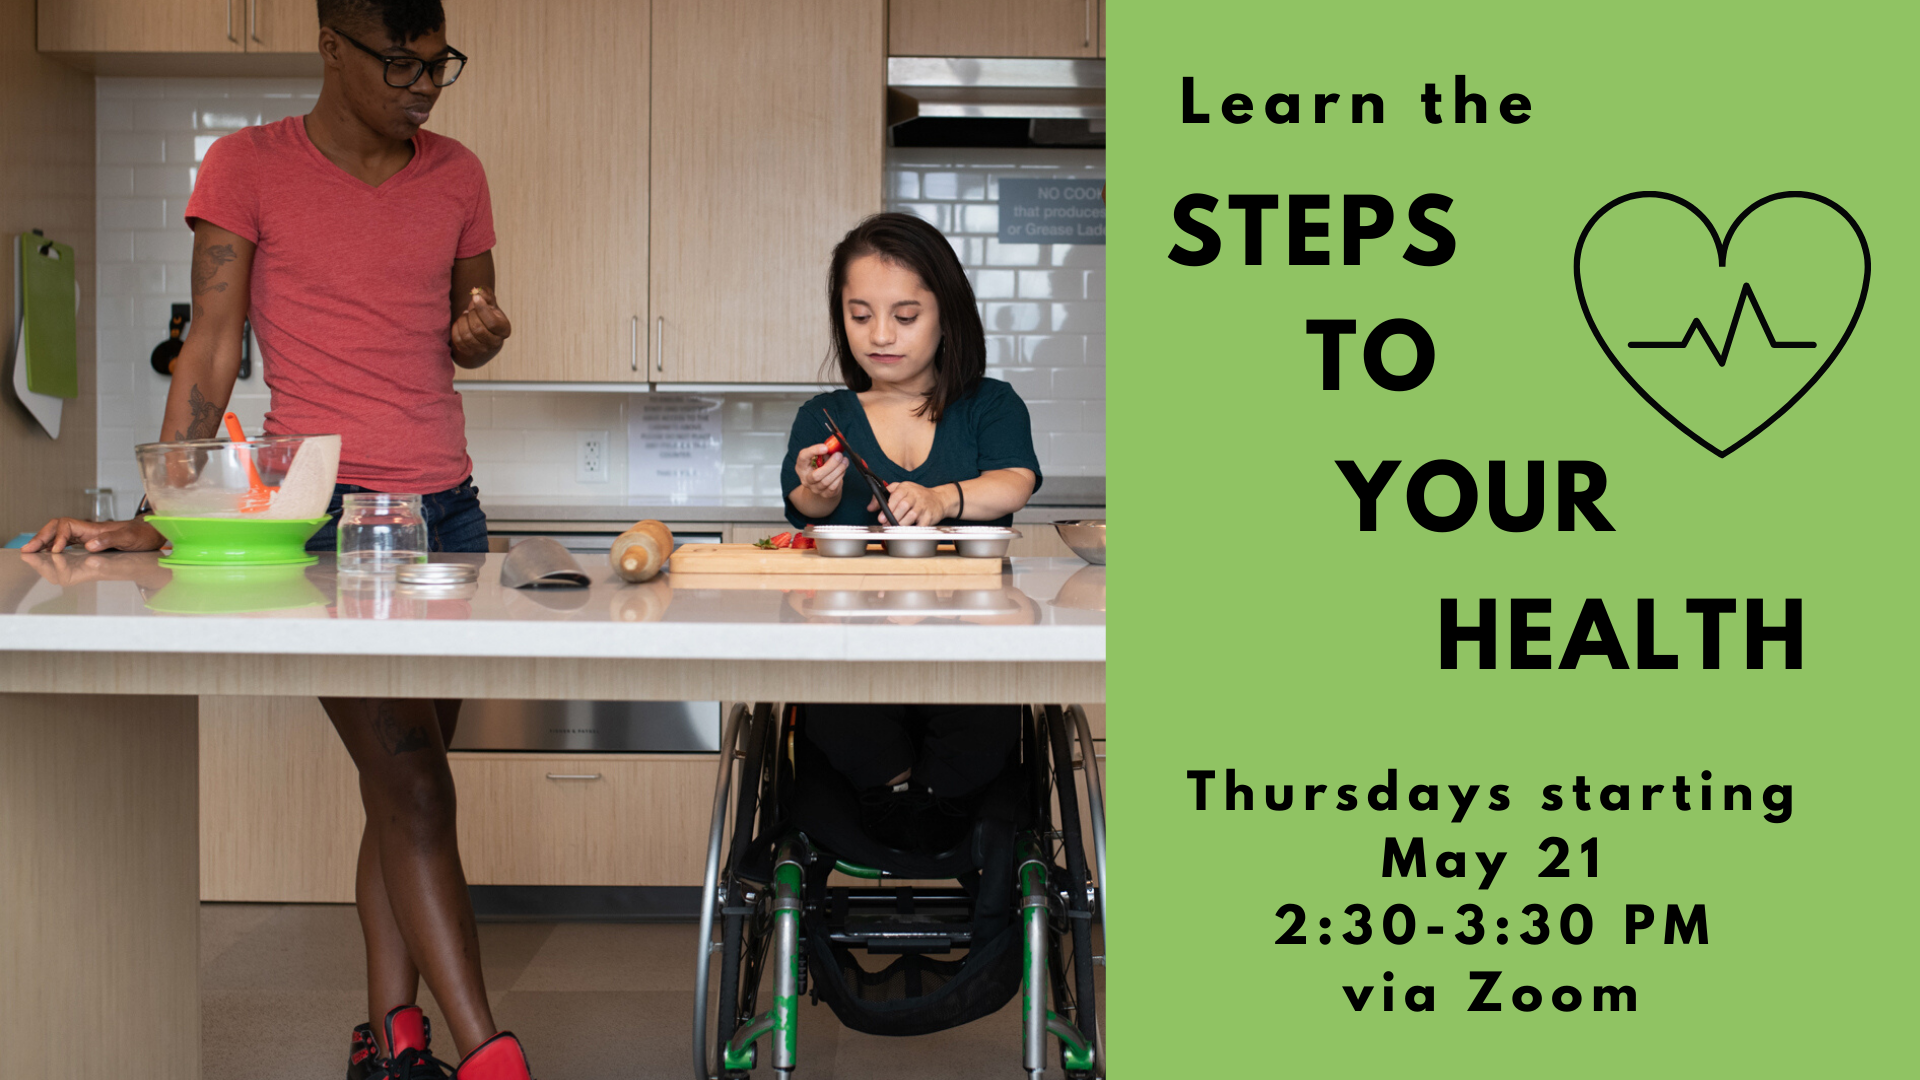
(1036, 632)
(104, 660)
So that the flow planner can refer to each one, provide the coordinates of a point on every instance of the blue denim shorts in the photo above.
(455, 521)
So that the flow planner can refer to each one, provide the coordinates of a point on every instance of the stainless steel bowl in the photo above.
(1086, 590)
(1087, 538)
(839, 541)
(981, 541)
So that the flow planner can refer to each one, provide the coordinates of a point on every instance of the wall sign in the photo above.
(1052, 211)
(673, 447)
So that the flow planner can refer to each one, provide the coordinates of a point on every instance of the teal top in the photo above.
(986, 429)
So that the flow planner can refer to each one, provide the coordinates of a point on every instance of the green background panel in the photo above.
(1260, 630)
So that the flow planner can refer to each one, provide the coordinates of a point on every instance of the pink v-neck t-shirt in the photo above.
(351, 294)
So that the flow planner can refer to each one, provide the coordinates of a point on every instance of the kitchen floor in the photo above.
(282, 986)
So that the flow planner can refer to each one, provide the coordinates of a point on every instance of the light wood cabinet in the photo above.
(669, 221)
(282, 26)
(99, 928)
(178, 26)
(1049, 28)
(280, 814)
(574, 819)
(668, 177)
(143, 26)
(768, 145)
(554, 101)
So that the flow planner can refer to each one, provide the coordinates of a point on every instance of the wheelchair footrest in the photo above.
(884, 946)
(903, 936)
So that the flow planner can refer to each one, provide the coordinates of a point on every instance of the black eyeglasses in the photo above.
(404, 71)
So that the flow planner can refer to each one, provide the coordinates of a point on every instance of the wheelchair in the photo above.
(1019, 918)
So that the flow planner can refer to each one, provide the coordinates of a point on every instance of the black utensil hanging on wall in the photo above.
(165, 353)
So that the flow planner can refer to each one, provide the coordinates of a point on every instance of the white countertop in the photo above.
(1044, 610)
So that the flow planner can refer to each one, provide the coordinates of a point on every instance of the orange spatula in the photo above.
(259, 495)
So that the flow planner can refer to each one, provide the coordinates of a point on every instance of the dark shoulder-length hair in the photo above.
(907, 241)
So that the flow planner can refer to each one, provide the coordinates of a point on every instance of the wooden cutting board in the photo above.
(748, 559)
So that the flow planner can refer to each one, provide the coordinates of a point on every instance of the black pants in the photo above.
(955, 750)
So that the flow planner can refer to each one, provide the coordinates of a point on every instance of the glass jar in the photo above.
(378, 532)
(100, 506)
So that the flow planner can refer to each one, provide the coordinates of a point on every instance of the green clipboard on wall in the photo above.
(46, 278)
(45, 343)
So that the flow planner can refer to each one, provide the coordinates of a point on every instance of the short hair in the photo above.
(403, 20)
(910, 242)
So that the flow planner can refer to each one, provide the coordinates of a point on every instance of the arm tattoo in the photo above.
(209, 264)
(206, 418)
(397, 737)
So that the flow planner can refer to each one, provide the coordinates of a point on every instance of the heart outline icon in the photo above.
(1720, 246)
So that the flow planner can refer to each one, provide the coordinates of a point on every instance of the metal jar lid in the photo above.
(441, 573)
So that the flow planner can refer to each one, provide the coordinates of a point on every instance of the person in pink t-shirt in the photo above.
(361, 246)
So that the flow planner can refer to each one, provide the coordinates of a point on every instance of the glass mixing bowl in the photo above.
(208, 478)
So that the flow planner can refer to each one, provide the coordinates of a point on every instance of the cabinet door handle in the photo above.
(660, 344)
(230, 36)
(633, 345)
(253, 21)
(1087, 40)
(573, 776)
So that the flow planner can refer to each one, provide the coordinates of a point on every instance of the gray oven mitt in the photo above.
(539, 562)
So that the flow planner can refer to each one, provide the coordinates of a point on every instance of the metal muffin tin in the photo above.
(891, 603)
(910, 541)
(839, 541)
(981, 541)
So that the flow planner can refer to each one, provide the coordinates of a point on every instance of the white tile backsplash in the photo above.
(1044, 305)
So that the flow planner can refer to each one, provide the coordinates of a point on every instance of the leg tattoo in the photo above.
(397, 736)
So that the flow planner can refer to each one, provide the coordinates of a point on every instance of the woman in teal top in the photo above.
(951, 445)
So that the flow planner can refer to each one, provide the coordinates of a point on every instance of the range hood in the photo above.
(971, 87)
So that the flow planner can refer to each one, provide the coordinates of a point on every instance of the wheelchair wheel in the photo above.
(1070, 943)
(742, 902)
(746, 915)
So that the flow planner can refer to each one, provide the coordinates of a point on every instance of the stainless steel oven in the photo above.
(590, 727)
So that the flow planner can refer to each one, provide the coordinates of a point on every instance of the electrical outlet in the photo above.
(591, 468)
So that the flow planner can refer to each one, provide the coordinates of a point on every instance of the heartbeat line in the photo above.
(1720, 355)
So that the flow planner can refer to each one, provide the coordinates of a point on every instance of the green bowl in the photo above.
(236, 590)
(211, 541)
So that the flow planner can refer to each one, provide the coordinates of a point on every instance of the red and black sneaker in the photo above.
(363, 1059)
(409, 1034)
(499, 1058)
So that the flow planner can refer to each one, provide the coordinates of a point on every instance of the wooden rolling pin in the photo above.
(640, 552)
